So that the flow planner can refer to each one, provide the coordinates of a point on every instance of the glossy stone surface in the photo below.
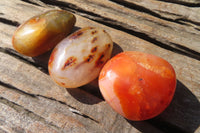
(41, 33)
(137, 85)
(78, 59)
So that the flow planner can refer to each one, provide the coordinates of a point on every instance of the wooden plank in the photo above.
(21, 77)
(167, 25)
(165, 10)
(41, 110)
(13, 118)
(190, 3)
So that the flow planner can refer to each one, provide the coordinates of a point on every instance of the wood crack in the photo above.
(184, 3)
(72, 8)
(9, 22)
(31, 2)
(16, 89)
(142, 9)
(150, 12)
(16, 55)
(85, 116)
(181, 20)
(71, 108)
(27, 112)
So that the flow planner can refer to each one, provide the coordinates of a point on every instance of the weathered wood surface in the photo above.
(31, 102)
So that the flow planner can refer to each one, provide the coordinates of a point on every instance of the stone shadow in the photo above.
(182, 115)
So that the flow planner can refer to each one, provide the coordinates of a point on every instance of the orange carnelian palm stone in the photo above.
(138, 86)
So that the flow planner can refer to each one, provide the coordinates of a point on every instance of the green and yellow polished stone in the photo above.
(41, 33)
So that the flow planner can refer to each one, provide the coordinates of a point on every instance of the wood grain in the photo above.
(171, 26)
(31, 101)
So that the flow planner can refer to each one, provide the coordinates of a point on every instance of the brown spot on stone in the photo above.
(108, 45)
(100, 61)
(104, 31)
(101, 57)
(62, 83)
(69, 62)
(140, 79)
(89, 58)
(94, 49)
(94, 39)
(76, 34)
(94, 32)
